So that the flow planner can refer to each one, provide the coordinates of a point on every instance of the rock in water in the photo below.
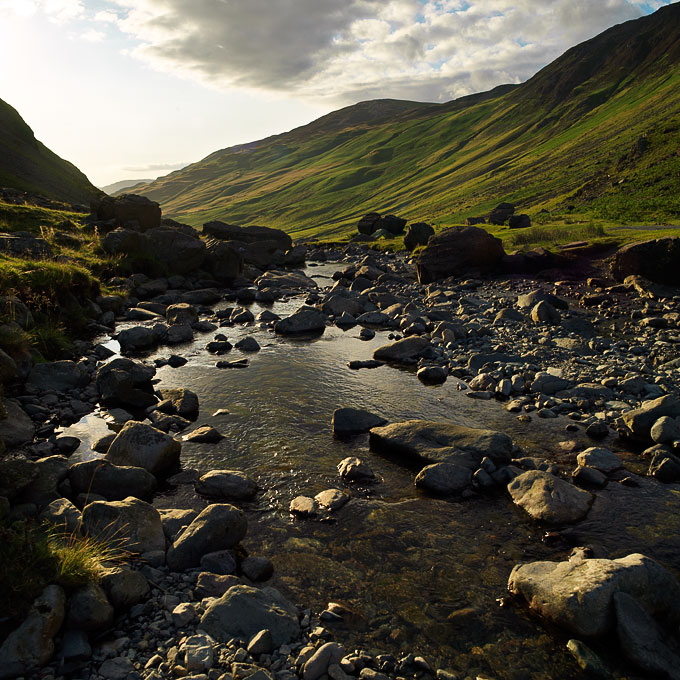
(549, 498)
(405, 350)
(637, 424)
(305, 320)
(244, 611)
(141, 445)
(348, 421)
(579, 594)
(455, 250)
(444, 478)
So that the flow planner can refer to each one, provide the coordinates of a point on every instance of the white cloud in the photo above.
(92, 35)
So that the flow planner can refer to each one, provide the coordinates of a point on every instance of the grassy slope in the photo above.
(28, 165)
(567, 137)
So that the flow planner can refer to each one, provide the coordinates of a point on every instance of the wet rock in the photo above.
(248, 344)
(405, 350)
(181, 313)
(204, 435)
(637, 424)
(641, 640)
(217, 527)
(370, 363)
(303, 506)
(113, 482)
(141, 445)
(441, 442)
(226, 484)
(548, 498)
(179, 401)
(603, 460)
(354, 469)
(349, 421)
(433, 375)
(239, 363)
(137, 339)
(131, 523)
(218, 347)
(305, 320)
(331, 499)
(126, 383)
(444, 478)
(89, 608)
(179, 333)
(31, 646)
(578, 595)
(285, 279)
(243, 611)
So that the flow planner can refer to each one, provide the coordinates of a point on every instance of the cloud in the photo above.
(154, 167)
(92, 35)
(59, 11)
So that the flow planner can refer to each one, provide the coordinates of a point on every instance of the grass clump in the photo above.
(551, 235)
(33, 556)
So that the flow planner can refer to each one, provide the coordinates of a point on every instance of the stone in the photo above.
(656, 260)
(140, 445)
(131, 524)
(16, 474)
(637, 424)
(433, 375)
(305, 320)
(444, 478)
(441, 442)
(456, 250)
(417, 234)
(137, 339)
(43, 489)
(587, 476)
(405, 350)
(578, 595)
(204, 435)
(182, 402)
(175, 520)
(257, 568)
(63, 515)
(354, 469)
(261, 643)
(587, 659)
(113, 482)
(144, 213)
(75, 647)
(601, 459)
(183, 614)
(179, 333)
(519, 221)
(124, 586)
(181, 313)
(243, 611)
(175, 252)
(25, 244)
(219, 562)
(198, 653)
(251, 234)
(548, 498)
(248, 344)
(118, 668)
(285, 279)
(217, 527)
(31, 645)
(544, 312)
(226, 484)
(58, 376)
(214, 585)
(224, 262)
(8, 367)
(641, 640)
(89, 608)
(665, 430)
(548, 384)
(331, 499)
(328, 654)
(350, 421)
(123, 382)
(17, 428)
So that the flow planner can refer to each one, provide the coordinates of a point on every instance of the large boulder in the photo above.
(348, 421)
(131, 524)
(125, 242)
(32, 644)
(123, 382)
(218, 527)
(369, 223)
(253, 234)
(402, 351)
(283, 279)
(57, 375)
(548, 498)
(579, 594)
(456, 250)
(113, 482)
(175, 251)
(393, 224)
(223, 261)
(140, 445)
(656, 260)
(17, 428)
(25, 244)
(440, 442)
(226, 485)
(131, 210)
(417, 234)
(244, 611)
(179, 401)
(305, 320)
(636, 425)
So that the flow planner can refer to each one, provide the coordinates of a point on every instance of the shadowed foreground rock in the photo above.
(656, 260)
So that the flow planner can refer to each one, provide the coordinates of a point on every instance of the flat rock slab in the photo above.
(348, 421)
(548, 498)
(579, 594)
(440, 442)
(402, 350)
(604, 460)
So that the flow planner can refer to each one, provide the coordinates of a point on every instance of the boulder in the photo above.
(138, 212)
(8, 367)
(253, 234)
(42, 490)
(305, 320)
(125, 242)
(331, 499)
(124, 586)
(217, 527)
(279, 279)
(417, 234)
(224, 262)
(17, 428)
(348, 421)
(58, 376)
(440, 442)
(456, 250)
(433, 375)
(204, 435)
(137, 339)
(604, 460)
(140, 445)
(131, 524)
(25, 244)
(656, 260)
(174, 251)
(444, 478)
(369, 223)
(179, 401)
(354, 469)
(63, 515)
(113, 482)
(181, 313)
(393, 224)
(637, 424)
(406, 350)
(244, 611)
(31, 645)
(548, 498)
(16, 474)
(123, 382)
(579, 594)
(226, 485)
(519, 221)
(89, 609)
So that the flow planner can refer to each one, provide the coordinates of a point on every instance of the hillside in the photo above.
(597, 132)
(28, 165)
(124, 184)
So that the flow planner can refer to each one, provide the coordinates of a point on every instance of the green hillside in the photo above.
(596, 132)
(28, 165)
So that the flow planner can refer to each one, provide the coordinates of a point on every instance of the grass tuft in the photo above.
(555, 234)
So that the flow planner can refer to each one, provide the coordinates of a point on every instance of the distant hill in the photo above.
(114, 188)
(598, 130)
(28, 165)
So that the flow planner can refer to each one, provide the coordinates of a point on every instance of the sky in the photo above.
(130, 89)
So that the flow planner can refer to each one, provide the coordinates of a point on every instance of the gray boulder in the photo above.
(636, 425)
(123, 382)
(113, 482)
(548, 498)
(124, 586)
(348, 421)
(89, 609)
(226, 485)
(217, 527)
(140, 445)
(579, 594)
(405, 350)
(354, 469)
(444, 478)
(244, 611)
(174, 251)
(305, 320)
(601, 459)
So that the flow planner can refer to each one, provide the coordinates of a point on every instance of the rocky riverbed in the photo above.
(391, 456)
